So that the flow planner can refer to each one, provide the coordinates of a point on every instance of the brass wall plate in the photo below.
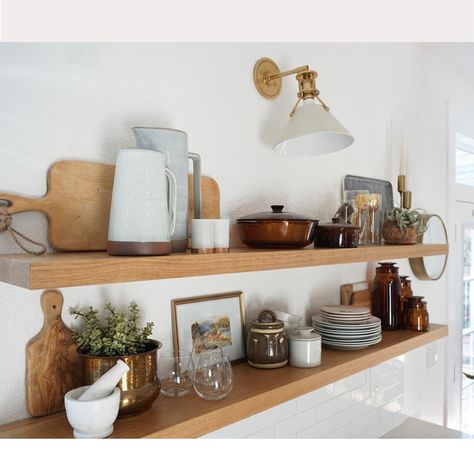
(264, 68)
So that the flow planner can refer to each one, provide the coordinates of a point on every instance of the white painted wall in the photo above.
(80, 101)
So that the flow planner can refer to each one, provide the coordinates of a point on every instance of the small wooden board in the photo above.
(357, 294)
(52, 361)
(77, 204)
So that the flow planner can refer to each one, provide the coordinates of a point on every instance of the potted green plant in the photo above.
(101, 342)
(401, 226)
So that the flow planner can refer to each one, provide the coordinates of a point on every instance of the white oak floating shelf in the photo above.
(59, 270)
(254, 390)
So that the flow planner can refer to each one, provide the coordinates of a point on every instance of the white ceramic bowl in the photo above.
(291, 322)
(93, 418)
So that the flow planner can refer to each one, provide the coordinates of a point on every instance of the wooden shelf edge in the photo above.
(254, 391)
(60, 270)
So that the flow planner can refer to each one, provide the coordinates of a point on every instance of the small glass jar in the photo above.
(386, 296)
(405, 291)
(415, 314)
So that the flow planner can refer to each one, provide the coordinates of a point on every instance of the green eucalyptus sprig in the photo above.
(404, 219)
(119, 336)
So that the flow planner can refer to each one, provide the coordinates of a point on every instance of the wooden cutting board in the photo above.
(52, 362)
(357, 294)
(77, 204)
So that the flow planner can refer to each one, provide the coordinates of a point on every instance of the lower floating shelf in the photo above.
(254, 390)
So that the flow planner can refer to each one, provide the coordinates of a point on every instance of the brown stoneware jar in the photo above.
(415, 314)
(406, 291)
(387, 296)
(267, 346)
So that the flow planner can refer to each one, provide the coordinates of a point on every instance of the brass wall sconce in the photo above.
(312, 129)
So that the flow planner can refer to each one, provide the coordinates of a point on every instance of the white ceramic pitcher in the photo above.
(143, 210)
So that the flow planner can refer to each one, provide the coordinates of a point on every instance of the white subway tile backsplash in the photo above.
(346, 416)
(272, 416)
(350, 383)
(296, 423)
(241, 429)
(333, 406)
(361, 393)
(344, 432)
(365, 405)
(318, 430)
(368, 419)
(310, 400)
(267, 433)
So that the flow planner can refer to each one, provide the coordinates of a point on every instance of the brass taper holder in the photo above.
(405, 196)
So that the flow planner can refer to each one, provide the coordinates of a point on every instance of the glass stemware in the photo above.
(212, 378)
(175, 373)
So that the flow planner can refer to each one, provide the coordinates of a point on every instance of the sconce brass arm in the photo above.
(297, 70)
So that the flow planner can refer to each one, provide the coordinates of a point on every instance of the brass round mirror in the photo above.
(431, 268)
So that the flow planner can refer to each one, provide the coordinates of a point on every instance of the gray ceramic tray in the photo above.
(374, 186)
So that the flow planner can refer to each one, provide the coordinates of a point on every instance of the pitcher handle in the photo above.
(196, 159)
(172, 193)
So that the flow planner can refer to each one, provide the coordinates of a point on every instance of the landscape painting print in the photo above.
(211, 332)
(210, 321)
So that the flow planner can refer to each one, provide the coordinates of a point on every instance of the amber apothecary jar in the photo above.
(406, 290)
(415, 314)
(387, 296)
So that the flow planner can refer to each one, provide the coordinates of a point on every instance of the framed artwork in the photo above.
(208, 320)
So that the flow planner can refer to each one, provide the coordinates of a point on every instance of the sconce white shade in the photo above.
(312, 131)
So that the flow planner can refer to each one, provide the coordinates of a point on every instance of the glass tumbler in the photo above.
(212, 375)
(175, 373)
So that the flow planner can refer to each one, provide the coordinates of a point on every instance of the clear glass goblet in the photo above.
(212, 375)
(175, 373)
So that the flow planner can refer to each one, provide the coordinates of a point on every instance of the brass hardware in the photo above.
(267, 78)
(405, 196)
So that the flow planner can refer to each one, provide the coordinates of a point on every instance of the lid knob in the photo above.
(305, 330)
(277, 208)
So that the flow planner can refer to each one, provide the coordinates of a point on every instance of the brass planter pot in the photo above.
(140, 386)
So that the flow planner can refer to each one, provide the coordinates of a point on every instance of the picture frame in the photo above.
(210, 319)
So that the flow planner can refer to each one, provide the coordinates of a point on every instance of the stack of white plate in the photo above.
(347, 327)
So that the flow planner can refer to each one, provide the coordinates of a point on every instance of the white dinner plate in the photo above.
(344, 309)
(351, 347)
(371, 322)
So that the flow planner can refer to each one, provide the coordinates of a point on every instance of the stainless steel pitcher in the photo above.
(174, 144)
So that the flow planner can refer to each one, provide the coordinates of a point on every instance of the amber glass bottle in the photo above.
(406, 291)
(387, 295)
(415, 314)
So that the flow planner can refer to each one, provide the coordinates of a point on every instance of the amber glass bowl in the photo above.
(276, 229)
(140, 386)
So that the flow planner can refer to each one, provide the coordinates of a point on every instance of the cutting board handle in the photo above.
(22, 204)
(51, 305)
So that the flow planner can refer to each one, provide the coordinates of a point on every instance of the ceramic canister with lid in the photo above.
(305, 348)
(267, 345)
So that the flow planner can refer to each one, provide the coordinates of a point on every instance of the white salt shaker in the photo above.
(304, 347)
(221, 235)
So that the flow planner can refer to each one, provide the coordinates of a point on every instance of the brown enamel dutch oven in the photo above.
(276, 229)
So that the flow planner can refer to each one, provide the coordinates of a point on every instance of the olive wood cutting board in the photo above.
(77, 204)
(52, 361)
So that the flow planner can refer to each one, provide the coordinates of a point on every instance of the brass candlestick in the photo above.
(405, 196)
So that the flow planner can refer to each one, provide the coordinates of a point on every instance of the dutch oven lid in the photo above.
(336, 223)
(277, 214)
(267, 320)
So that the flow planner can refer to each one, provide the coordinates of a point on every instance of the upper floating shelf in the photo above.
(59, 270)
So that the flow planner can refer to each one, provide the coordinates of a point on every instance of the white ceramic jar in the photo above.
(305, 348)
